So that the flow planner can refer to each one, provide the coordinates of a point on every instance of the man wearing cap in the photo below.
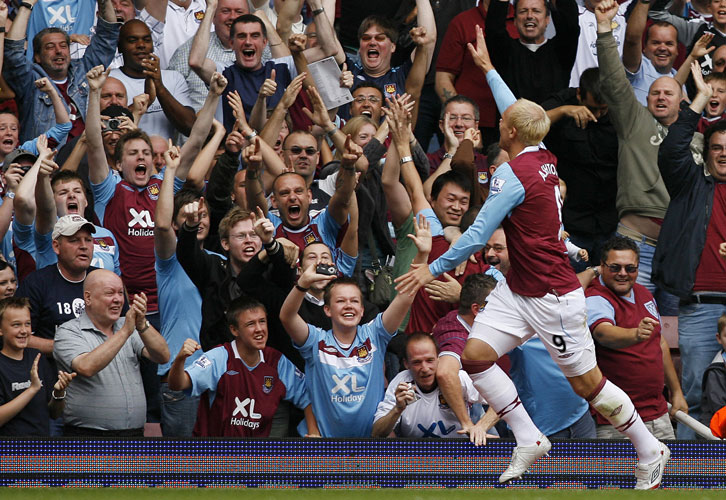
(58, 195)
(105, 350)
(56, 291)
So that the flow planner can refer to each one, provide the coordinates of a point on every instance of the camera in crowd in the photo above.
(326, 269)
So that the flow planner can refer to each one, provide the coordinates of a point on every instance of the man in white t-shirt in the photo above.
(170, 109)
(414, 406)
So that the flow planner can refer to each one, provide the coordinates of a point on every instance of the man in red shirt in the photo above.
(624, 320)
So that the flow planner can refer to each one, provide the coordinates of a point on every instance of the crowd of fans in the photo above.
(205, 204)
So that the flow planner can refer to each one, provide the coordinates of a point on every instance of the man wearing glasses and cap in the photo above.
(625, 324)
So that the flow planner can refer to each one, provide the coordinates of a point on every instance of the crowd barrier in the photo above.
(331, 463)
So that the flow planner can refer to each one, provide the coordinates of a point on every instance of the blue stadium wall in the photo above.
(328, 463)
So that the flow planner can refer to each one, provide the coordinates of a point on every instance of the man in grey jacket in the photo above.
(642, 197)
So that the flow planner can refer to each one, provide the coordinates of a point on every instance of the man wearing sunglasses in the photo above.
(624, 321)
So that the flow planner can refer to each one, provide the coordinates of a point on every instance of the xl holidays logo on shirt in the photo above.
(143, 220)
(348, 388)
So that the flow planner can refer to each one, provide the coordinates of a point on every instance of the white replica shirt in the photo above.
(430, 416)
(155, 122)
(587, 42)
(181, 24)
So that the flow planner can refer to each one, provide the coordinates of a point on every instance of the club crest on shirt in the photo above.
(364, 355)
(153, 190)
(652, 309)
(496, 185)
(268, 384)
(101, 243)
(199, 15)
(78, 306)
(483, 177)
(310, 237)
(442, 402)
(390, 88)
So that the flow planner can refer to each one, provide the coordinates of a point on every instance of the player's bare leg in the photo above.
(478, 359)
(613, 404)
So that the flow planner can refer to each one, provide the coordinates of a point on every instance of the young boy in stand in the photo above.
(26, 400)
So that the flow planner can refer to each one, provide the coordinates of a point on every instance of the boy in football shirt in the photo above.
(241, 383)
(344, 365)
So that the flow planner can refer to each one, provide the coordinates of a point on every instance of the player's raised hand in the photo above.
(480, 53)
(418, 276)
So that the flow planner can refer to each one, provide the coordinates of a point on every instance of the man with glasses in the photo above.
(459, 113)
(495, 251)
(624, 320)
(689, 259)
(367, 101)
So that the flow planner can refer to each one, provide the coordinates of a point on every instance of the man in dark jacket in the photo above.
(687, 261)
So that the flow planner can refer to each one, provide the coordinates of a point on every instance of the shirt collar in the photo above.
(236, 354)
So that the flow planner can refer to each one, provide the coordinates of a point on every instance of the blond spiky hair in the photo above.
(530, 120)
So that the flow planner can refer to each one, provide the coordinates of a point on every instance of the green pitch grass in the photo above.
(344, 494)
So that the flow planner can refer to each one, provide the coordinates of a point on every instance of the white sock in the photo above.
(614, 405)
(500, 393)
